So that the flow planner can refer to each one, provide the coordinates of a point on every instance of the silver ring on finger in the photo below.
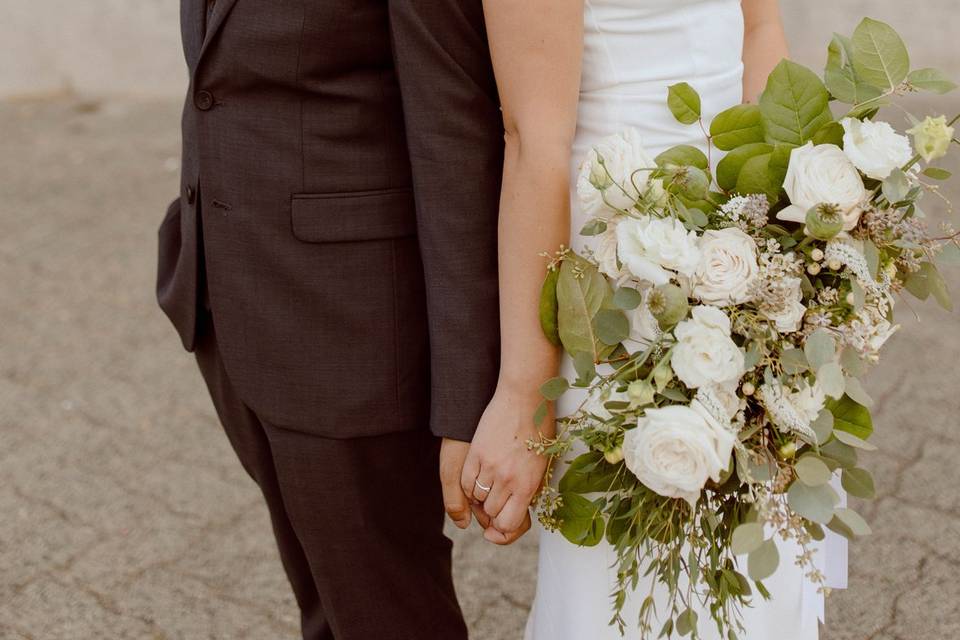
(481, 486)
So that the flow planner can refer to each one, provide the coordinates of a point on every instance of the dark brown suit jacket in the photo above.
(346, 158)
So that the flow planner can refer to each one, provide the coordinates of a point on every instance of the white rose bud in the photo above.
(813, 269)
(823, 174)
(874, 147)
(614, 174)
(816, 255)
(932, 137)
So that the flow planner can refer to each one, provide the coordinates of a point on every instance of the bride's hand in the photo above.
(500, 471)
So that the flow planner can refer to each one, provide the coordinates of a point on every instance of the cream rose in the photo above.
(618, 181)
(651, 248)
(705, 355)
(675, 450)
(874, 147)
(728, 267)
(605, 250)
(932, 137)
(823, 174)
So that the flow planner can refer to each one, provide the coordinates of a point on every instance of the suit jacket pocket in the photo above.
(355, 216)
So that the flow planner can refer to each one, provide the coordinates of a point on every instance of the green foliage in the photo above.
(581, 290)
(627, 298)
(932, 80)
(851, 416)
(589, 473)
(763, 561)
(879, 55)
(812, 471)
(580, 519)
(795, 105)
(728, 169)
(554, 388)
(858, 483)
(612, 326)
(683, 155)
(684, 103)
(737, 126)
(841, 77)
(813, 503)
(548, 307)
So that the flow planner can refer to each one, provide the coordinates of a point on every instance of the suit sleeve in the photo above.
(455, 140)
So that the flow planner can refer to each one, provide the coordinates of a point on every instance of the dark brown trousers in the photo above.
(358, 521)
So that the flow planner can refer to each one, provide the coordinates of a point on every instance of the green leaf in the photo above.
(627, 298)
(763, 562)
(747, 538)
(851, 416)
(812, 471)
(684, 103)
(580, 519)
(728, 170)
(554, 388)
(594, 227)
(548, 307)
(686, 622)
(612, 326)
(843, 455)
(858, 483)
(820, 348)
(540, 414)
(937, 285)
(581, 290)
(823, 426)
(937, 173)
(857, 393)
(854, 521)
(896, 186)
(794, 361)
(840, 76)
(755, 177)
(853, 441)
(813, 503)
(585, 366)
(830, 133)
(737, 126)
(831, 380)
(932, 80)
(879, 55)
(795, 105)
(588, 473)
(683, 155)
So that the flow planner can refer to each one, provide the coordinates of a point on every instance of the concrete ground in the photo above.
(123, 514)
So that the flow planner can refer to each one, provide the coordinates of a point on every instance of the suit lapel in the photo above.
(191, 29)
(220, 11)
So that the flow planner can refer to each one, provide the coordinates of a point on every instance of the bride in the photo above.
(570, 73)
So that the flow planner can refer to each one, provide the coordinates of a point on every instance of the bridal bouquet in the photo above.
(722, 318)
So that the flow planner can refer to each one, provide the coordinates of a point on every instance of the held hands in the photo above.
(496, 477)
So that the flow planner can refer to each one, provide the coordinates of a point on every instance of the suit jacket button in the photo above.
(204, 100)
(191, 194)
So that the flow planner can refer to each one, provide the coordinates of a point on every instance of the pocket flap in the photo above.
(350, 217)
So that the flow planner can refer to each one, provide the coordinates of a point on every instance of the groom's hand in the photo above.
(453, 453)
(500, 470)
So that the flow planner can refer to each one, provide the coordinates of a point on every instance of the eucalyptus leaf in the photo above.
(896, 186)
(813, 503)
(851, 362)
(820, 348)
(764, 560)
(588, 473)
(843, 455)
(687, 622)
(737, 126)
(627, 298)
(880, 56)
(747, 538)
(794, 361)
(594, 227)
(858, 483)
(612, 326)
(937, 173)
(831, 380)
(857, 393)
(554, 388)
(548, 307)
(853, 441)
(581, 290)
(684, 103)
(841, 78)
(932, 80)
(823, 426)
(812, 471)
(854, 521)
(795, 104)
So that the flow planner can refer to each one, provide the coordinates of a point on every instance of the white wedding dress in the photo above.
(635, 49)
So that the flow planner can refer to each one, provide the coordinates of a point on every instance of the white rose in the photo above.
(619, 181)
(675, 450)
(650, 248)
(728, 267)
(790, 317)
(705, 355)
(874, 147)
(823, 174)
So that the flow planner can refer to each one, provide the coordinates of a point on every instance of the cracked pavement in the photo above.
(124, 512)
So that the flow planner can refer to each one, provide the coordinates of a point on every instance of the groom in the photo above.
(332, 262)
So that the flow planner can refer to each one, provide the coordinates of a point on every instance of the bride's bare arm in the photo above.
(536, 49)
(764, 44)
